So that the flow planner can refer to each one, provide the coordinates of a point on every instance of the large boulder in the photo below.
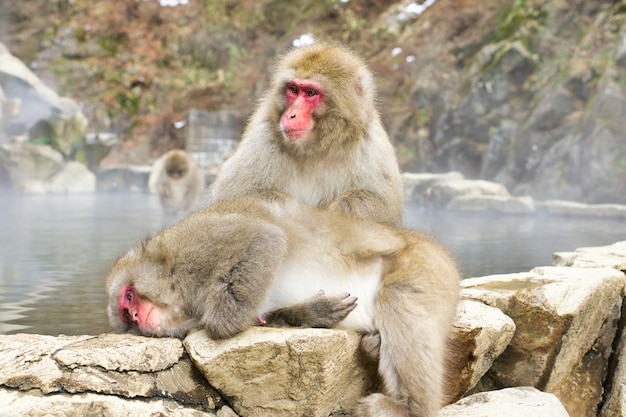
(134, 178)
(318, 371)
(612, 256)
(509, 402)
(441, 193)
(40, 113)
(566, 320)
(121, 365)
(41, 169)
(481, 333)
(283, 372)
(493, 203)
(34, 404)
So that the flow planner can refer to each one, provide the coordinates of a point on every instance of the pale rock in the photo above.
(571, 208)
(34, 404)
(132, 178)
(509, 402)
(566, 320)
(115, 364)
(74, 177)
(416, 183)
(60, 117)
(480, 334)
(441, 193)
(493, 203)
(612, 256)
(26, 163)
(38, 169)
(283, 372)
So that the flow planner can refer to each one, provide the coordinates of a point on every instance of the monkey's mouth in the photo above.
(294, 134)
(144, 325)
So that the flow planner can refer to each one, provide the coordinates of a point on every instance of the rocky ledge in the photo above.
(548, 342)
(452, 191)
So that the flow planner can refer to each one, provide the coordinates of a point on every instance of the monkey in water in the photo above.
(179, 183)
(317, 136)
(279, 262)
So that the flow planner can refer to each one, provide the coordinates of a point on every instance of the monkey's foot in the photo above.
(326, 311)
(370, 344)
(375, 405)
(318, 311)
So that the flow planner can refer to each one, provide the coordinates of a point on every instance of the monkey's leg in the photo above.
(319, 311)
(414, 312)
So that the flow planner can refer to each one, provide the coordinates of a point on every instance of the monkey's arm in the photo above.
(366, 204)
(319, 311)
(247, 255)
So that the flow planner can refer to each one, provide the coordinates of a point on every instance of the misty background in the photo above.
(527, 94)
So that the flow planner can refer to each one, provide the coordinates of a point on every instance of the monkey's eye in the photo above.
(129, 296)
(311, 92)
(293, 89)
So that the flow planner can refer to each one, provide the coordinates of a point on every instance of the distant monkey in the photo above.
(180, 183)
(317, 136)
(278, 262)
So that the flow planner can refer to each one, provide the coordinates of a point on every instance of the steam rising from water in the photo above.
(57, 250)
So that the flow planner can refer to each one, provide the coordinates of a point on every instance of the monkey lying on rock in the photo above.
(280, 262)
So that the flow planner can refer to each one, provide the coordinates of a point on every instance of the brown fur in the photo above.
(218, 268)
(345, 164)
(180, 184)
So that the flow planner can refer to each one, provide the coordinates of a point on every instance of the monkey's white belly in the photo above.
(299, 281)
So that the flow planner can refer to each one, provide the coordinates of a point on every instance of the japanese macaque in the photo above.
(179, 183)
(275, 261)
(318, 137)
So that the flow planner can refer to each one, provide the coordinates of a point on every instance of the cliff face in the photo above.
(527, 93)
(534, 101)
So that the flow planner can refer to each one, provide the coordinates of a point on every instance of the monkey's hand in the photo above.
(319, 311)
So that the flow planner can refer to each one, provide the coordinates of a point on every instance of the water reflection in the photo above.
(56, 250)
(486, 244)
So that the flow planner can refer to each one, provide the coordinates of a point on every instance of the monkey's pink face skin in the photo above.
(302, 97)
(135, 310)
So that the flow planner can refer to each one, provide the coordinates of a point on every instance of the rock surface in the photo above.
(566, 321)
(40, 112)
(121, 365)
(287, 372)
(509, 402)
(36, 169)
(612, 256)
(481, 333)
(451, 191)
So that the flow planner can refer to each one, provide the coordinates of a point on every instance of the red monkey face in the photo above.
(302, 98)
(137, 314)
(134, 310)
